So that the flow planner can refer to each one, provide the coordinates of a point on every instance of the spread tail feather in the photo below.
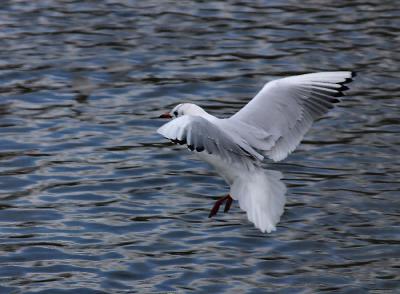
(262, 196)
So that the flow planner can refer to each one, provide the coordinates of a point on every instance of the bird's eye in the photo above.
(176, 113)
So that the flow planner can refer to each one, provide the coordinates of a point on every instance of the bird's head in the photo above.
(184, 109)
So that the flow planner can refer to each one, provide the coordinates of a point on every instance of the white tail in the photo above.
(262, 196)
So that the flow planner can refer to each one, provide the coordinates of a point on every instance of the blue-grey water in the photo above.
(92, 200)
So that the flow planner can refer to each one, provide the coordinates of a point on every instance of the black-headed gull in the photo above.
(272, 124)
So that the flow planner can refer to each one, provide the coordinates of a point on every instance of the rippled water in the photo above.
(92, 199)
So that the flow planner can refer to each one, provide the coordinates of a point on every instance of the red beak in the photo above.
(165, 115)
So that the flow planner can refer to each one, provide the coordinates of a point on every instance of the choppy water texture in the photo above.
(94, 201)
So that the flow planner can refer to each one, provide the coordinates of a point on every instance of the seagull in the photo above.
(271, 125)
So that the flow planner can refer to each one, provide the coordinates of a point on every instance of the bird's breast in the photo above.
(228, 170)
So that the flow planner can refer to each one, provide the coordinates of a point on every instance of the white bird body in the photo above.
(226, 170)
(272, 124)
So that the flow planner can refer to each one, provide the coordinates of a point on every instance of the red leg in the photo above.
(228, 203)
(218, 203)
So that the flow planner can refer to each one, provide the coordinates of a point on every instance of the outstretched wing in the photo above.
(199, 135)
(286, 109)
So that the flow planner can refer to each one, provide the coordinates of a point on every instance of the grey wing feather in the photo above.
(286, 108)
(200, 135)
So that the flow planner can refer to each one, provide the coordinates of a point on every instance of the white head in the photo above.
(185, 109)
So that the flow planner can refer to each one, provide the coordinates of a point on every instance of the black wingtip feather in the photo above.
(338, 94)
(346, 81)
(180, 142)
(191, 147)
(200, 149)
(349, 80)
(334, 100)
(177, 141)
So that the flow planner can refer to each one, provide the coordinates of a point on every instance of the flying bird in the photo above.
(271, 125)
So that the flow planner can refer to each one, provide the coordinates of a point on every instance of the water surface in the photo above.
(92, 200)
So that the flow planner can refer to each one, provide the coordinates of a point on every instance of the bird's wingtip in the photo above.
(350, 79)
